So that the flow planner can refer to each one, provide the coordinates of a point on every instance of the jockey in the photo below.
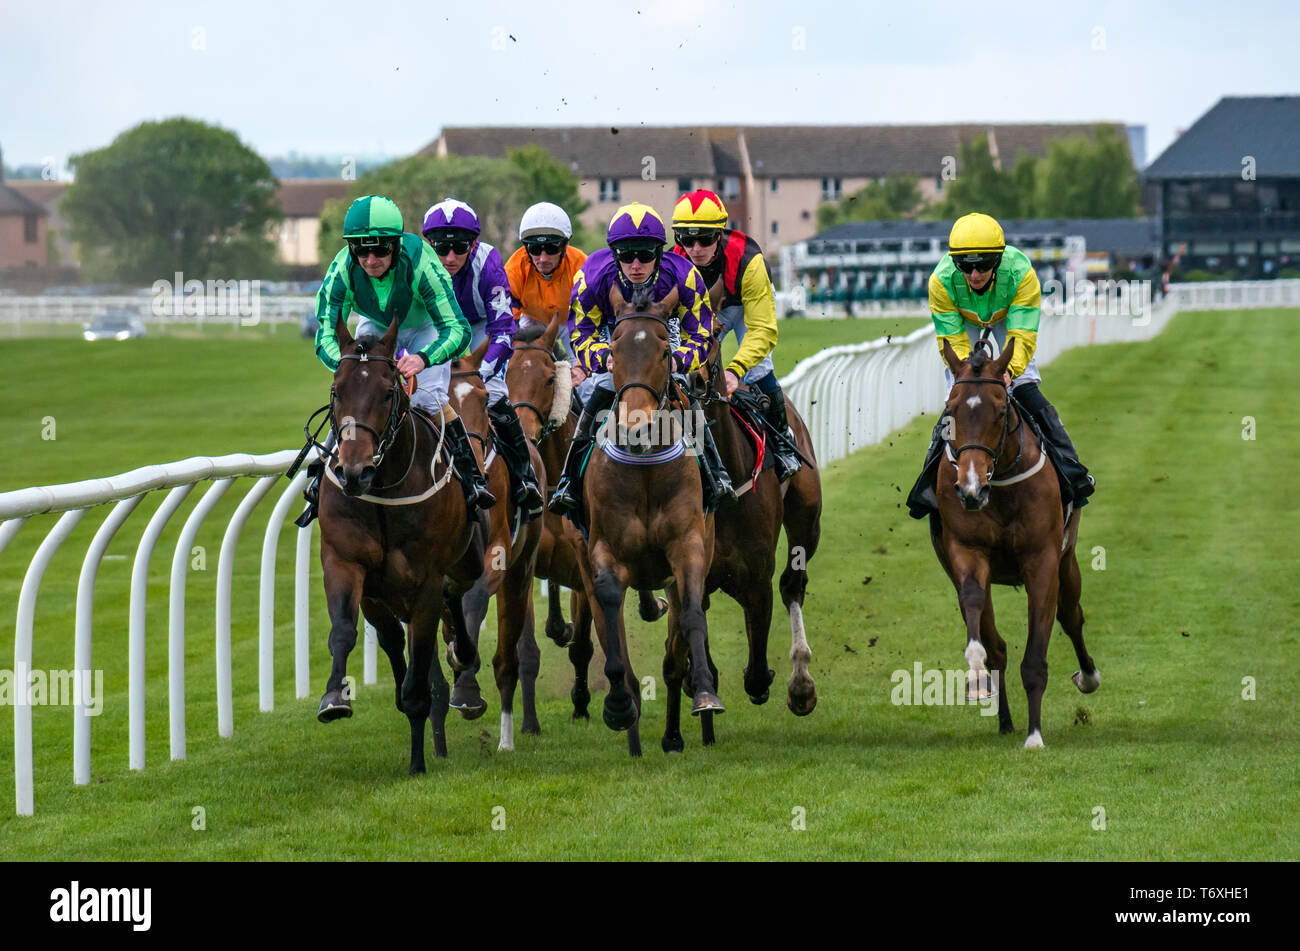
(746, 306)
(541, 271)
(981, 283)
(481, 289)
(635, 261)
(385, 274)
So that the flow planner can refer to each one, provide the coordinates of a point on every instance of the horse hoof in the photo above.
(417, 769)
(673, 744)
(706, 702)
(333, 706)
(561, 635)
(1086, 683)
(803, 704)
(1034, 741)
(757, 691)
(454, 662)
(470, 710)
(619, 716)
(651, 615)
(761, 699)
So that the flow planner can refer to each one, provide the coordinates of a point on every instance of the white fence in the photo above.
(853, 396)
(247, 309)
(127, 490)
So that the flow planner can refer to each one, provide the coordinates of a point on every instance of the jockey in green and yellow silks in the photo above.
(984, 285)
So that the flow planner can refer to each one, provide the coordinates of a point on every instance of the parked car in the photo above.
(115, 325)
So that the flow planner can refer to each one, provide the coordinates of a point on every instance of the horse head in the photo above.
(536, 381)
(367, 405)
(642, 356)
(468, 392)
(976, 418)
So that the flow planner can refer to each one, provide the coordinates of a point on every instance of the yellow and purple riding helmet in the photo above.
(636, 227)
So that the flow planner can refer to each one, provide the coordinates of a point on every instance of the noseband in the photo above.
(548, 425)
(661, 396)
(399, 412)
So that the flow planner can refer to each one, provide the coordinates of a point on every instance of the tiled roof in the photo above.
(305, 197)
(13, 202)
(1266, 128)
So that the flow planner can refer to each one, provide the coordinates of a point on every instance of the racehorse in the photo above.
(744, 551)
(646, 525)
(507, 571)
(541, 385)
(394, 540)
(1000, 521)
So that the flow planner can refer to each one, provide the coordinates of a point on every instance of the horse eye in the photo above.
(550, 382)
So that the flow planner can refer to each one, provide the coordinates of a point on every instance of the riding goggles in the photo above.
(977, 262)
(444, 248)
(628, 255)
(544, 245)
(380, 247)
(705, 239)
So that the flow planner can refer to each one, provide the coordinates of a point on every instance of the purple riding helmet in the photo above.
(450, 220)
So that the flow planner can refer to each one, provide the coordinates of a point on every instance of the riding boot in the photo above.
(922, 501)
(513, 446)
(567, 498)
(717, 481)
(315, 469)
(471, 479)
(787, 463)
(1073, 471)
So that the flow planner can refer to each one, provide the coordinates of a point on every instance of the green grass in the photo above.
(1197, 593)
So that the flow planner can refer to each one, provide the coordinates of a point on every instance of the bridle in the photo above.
(548, 425)
(661, 395)
(995, 454)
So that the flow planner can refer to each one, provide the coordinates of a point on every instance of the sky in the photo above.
(340, 78)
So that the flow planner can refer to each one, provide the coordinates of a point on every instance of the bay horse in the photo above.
(1000, 521)
(646, 525)
(541, 384)
(747, 535)
(510, 553)
(395, 541)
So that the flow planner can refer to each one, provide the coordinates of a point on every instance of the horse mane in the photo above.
(530, 331)
(640, 299)
(366, 344)
(978, 358)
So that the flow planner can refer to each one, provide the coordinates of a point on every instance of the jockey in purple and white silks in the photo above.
(478, 279)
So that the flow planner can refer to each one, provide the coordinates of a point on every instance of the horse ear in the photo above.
(1001, 363)
(716, 293)
(389, 339)
(617, 302)
(552, 331)
(476, 357)
(666, 306)
(341, 332)
(950, 357)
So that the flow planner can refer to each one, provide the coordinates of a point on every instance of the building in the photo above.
(23, 225)
(49, 195)
(892, 260)
(772, 178)
(302, 200)
(1228, 190)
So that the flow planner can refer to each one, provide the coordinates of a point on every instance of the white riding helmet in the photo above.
(545, 218)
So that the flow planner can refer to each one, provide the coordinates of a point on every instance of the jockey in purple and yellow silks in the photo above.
(636, 262)
(479, 281)
(983, 283)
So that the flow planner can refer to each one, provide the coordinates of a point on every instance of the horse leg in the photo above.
(530, 664)
(754, 595)
(609, 588)
(462, 651)
(802, 520)
(1087, 678)
(1042, 585)
(997, 657)
(556, 629)
(343, 584)
(391, 638)
(690, 568)
(581, 650)
(675, 668)
(513, 599)
(417, 686)
(465, 694)
(970, 576)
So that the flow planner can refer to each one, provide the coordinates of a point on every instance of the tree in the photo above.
(898, 196)
(1088, 178)
(550, 180)
(497, 189)
(177, 195)
(981, 186)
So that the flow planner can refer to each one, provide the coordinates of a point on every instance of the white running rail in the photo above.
(855, 395)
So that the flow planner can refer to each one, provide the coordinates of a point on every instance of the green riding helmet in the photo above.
(373, 216)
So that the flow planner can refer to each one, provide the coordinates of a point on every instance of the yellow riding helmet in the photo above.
(976, 234)
(698, 211)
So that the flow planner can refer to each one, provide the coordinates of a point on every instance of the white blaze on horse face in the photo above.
(973, 402)
(463, 390)
(971, 479)
(640, 335)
